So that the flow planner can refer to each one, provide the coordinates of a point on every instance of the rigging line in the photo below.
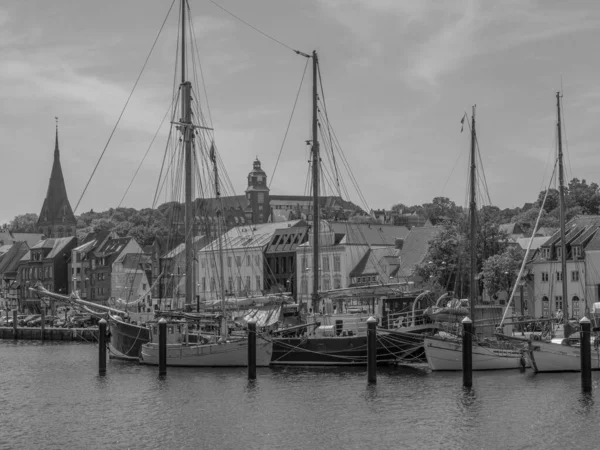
(124, 106)
(259, 31)
(289, 122)
(147, 151)
(327, 121)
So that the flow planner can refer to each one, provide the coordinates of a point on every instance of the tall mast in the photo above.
(186, 128)
(473, 223)
(563, 247)
(315, 179)
(221, 274)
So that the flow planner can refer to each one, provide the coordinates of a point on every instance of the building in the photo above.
(56, 218)
(242, 251)
(280, 259)
(46, 264)
(9, 263)
(341, 246)
(545, 279)
(130, 281)
(80, 263)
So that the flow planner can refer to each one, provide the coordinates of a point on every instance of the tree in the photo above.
(500, 271)
(552, 201)
(585, 196)
(24, 223)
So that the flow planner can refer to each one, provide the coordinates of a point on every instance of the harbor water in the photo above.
(52, 398)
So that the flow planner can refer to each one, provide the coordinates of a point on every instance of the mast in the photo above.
(315, 179)
(563, 247)
(473, 223)
(186, 129)
(221, 274)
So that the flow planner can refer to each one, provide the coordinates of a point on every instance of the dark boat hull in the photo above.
(126, 339)
(347, 350)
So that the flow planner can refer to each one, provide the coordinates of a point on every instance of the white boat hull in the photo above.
(554, 356)
(227, 354)
(446, 354)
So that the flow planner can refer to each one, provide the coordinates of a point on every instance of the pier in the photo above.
(50, 334)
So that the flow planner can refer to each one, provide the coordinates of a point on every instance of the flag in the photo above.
(462, 123)
(213, 157)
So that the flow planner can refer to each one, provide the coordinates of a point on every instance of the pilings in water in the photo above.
(102, 347)
(15, 325)
(252, 349)
(467, 352)
(372, 350)
(586, 355)
(43, 322)
(162, 347)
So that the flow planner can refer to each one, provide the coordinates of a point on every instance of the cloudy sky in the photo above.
(398, 76)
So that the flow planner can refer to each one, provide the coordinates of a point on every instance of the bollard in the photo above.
(372, 350)
(252, 349)
(467, 352)
(43, 323)
(162, 347)
(102, 347)
(586, 355)
(15, 324)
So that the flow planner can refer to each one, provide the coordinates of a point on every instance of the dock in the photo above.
(50, 334)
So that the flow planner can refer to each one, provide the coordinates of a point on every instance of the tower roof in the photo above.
(56, 207)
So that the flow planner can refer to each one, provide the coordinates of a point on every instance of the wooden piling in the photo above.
(15, 325)
(467, 352)
(372, 350)
(102, 347)
(43, 323)
(586, 355)
(162, 347)
(252, 349)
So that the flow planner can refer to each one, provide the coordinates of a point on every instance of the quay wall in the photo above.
(51, 334)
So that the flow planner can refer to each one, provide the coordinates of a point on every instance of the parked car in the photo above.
(80, 321)
(60, 323)
(49, 320)
(20, 317)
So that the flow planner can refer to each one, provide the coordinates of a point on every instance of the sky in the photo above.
(398, 76)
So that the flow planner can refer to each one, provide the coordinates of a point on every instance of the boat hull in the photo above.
(446, 355)
(126, 339)
(557, 357)
(227, 354)
(347, 350)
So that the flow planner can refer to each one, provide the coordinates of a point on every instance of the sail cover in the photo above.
(263, 317)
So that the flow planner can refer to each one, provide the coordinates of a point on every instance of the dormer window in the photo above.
(577, 251)
(559, 252)
(546, 253)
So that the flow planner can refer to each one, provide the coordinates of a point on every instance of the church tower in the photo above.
(57, 218)
(257, 194)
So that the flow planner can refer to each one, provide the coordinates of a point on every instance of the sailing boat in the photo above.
(329, 345)
(561, 353)
(444, 351)
(225, 351)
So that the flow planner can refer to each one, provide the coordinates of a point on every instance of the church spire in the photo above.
(56, 217)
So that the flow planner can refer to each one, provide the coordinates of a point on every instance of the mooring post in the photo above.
(102, 347)
(467, 352)
(586, 355)
(252, 349)
(15, 324)
(372, 350)
(162, 347)
(43, 323)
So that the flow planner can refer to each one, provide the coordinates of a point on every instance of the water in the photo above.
(51, 397)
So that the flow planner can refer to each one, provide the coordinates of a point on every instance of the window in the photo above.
(559, 252)
(239, 283)
(326, 283)
(248, 283)
(545, 307)
(304, 285)
(337, 282)
(559, 276)
(238, 261)
(575, 275)
(230, 284)
(337, 265)
(203, 284)
(546, 253)
(203, 262)
(545, 277)
(575, 303)
(558, 301)
(304, 263)
(577, 251)
(212, 284)
(229, 261)
(261, 197)
(326, 263)
(257, 260)
(248, 260)
(258, 286)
